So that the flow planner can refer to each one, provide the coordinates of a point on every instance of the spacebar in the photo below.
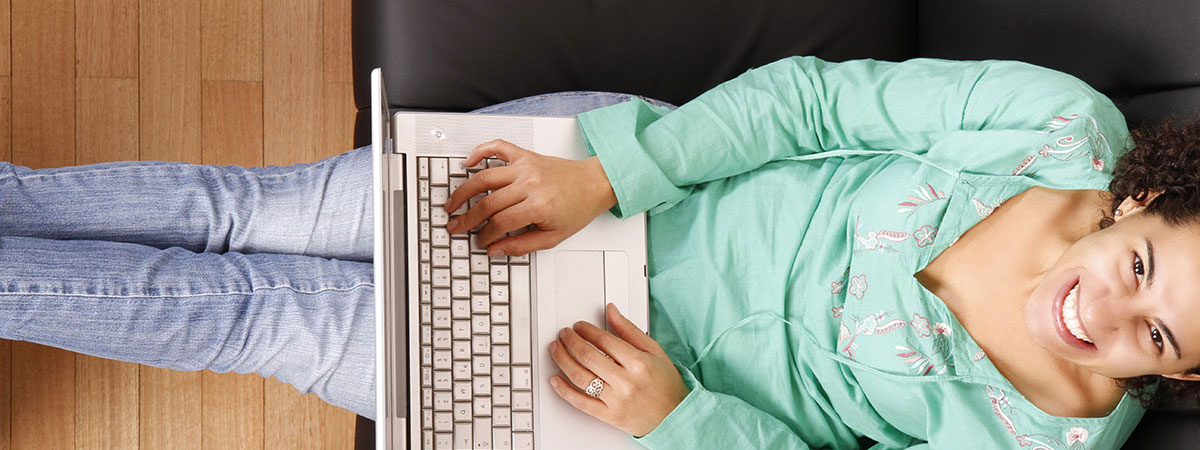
(522, 326)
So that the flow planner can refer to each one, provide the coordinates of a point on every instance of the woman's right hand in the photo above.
(557, 196)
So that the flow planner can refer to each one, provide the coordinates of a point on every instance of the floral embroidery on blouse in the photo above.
(875, 240)
(924, 235)
(1075, 438)
(858, 286)
(985, 209)
(1093, 143)
(925, 194)
(873, 324)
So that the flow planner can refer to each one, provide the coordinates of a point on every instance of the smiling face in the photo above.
(1134, 299)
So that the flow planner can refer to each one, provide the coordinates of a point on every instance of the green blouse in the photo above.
(788, 211)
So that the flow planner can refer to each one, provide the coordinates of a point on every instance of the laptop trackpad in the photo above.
(585, 281)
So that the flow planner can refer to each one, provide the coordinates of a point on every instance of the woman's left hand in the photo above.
(641, 385)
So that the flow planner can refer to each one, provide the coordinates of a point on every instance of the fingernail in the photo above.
(452, 224)
(554, 382)
(553, 346)
(496, 253)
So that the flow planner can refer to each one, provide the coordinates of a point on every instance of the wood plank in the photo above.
(106, 403)
(233, 411)
(169, 44)
(232, 39)
(291, 81)
(5, 38)
(337, 119)
(337, 427)
(107, 117)
(43, 397)
(294, 419)
(170, 406)
(6, 122)
(232, 123)
(337, 55)
(5, 394)
(106, 38)
(43, 82)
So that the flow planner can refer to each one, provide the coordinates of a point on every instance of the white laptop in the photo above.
(460, 338)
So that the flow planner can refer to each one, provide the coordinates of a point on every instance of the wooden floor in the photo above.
(247, 82)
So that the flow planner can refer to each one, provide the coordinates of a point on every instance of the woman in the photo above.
(805, 290)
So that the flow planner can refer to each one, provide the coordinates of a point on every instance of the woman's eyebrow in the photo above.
(1149, 284)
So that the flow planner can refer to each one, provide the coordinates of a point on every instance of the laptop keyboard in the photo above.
(476, 344)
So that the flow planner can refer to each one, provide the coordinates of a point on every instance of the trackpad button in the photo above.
(579, 288)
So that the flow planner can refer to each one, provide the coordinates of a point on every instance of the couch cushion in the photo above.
(459, 55)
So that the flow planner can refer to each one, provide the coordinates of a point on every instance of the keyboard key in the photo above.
(475, 248)
(441, 359)
(423, 230)
(426, 272)
(479, 264)
(423, 211)
(441, 298)
(462, 434)
(501, 439)
(426, 355)
(499, 293)
(481, 365)
(501, 355)
(427, 403)
(459, 248)
(457, 168)
(439, 171)
(501, 396)
(483, 433)
(441, 380)
(500, 334)
(460, 268)
(427, 435)
(501, 417)
(460, 329)
(522, 401)
(480, 304)
(456, 182)
(442, 401)
(462, 350)
(441, 339)
(462, 391)
(426, 314)
(423, 189)
(483, 406)
(460, 309)
(425, 251)
(441, 257)
(523, 259)
(521, 322)
(481, 345)
(443, 421)
(481, 385)
(499, 274)
(427, 380)
(462, 370)
(460, 288)
(522, 377)
(440, 237)
(438, 196)
(500, 376)
(522, 441)
(522, 421)
(426, 335)
(462, 411)
(426, 292)
(441, 278)
(500, 314)
(438, 218)
(423, 168)
(480, 285)
(480, 324)
(441, 318)
(445, 441)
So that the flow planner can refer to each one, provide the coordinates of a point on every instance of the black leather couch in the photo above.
(457, 55)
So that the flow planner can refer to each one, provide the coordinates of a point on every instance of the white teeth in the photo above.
(1070, 315)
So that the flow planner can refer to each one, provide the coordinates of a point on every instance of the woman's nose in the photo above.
(1105, 311)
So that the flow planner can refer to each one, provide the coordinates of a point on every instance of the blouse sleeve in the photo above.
(802, 105)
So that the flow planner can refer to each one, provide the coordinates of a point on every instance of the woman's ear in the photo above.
(1182, 376)
(1130, 206)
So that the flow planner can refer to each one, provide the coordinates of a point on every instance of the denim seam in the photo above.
(173, 168)
(59, 294)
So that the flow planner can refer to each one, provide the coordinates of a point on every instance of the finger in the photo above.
(487, 207)
(590, 358)
(483, 181)
(527, 242)
(611, 345)
(509, 219)
(498, 148)
(579, 375)
(626, 330)
(581, 401)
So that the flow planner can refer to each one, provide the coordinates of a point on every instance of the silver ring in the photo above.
(595, 387)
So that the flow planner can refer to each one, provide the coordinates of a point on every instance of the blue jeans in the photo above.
(261, 270)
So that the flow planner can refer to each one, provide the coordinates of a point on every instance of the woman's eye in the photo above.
(1156, 338)
(1138, 270)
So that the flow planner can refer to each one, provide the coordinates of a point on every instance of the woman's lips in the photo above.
(1061, 326)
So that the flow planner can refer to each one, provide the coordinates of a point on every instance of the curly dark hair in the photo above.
(1165, 157)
